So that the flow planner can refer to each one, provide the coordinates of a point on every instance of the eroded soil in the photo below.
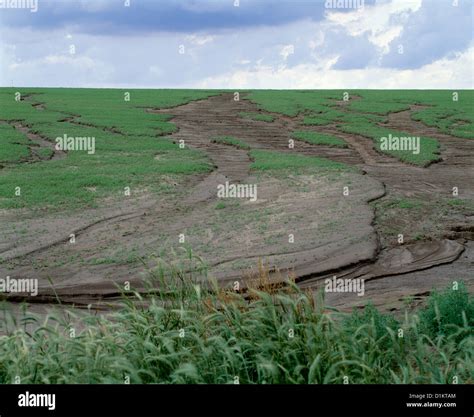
(333, 234)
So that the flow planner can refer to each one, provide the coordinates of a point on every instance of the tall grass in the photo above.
(192, 332)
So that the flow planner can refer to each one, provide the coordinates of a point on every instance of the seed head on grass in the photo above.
(188, 329)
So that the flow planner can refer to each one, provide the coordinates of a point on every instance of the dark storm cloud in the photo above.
(113, 17)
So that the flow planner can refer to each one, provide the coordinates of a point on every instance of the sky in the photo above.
(237, 44)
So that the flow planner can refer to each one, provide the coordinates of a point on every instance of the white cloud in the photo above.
(199, 40)
(383, 22)
(287, 50)
(343, 51)
(317, 40)
(77, 69)
(455, 72)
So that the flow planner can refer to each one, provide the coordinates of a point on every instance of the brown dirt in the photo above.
(333, 234)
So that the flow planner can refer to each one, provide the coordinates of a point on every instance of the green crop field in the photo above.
(129, 137)
(429, 147)
(364, 114)
(14, 145)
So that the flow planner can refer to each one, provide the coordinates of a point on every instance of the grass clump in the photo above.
(220, 205)
(189, 330)
(316, 121)
(230, 140)
(316, 138)
(449, 312)
(402, 203)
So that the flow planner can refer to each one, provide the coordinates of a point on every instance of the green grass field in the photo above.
(124, 157)
(429, 147)
(14, 145)
(132, 149)
(367, 110)
(319, 138)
